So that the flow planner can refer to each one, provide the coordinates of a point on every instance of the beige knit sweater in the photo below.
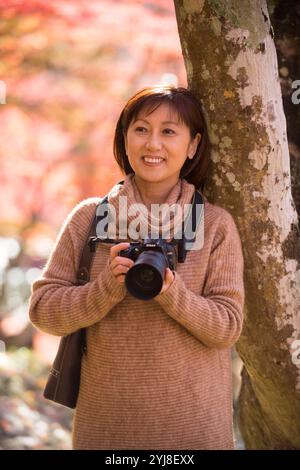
(157, 374)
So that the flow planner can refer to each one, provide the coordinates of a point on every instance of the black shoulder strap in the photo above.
(190, 225)
(198, 202)
(83, 273)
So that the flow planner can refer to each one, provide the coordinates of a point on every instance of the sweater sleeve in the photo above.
(215, 318)
(59, 307)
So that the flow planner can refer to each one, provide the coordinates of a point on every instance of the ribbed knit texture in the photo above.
(157, 374)
(180, 195)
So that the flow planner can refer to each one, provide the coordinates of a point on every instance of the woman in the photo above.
(157, 374)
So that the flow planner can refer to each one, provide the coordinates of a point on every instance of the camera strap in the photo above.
(191, 227)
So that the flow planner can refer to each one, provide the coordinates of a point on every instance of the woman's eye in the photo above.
(142, 130)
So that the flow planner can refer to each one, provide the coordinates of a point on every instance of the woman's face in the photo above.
(157, 145)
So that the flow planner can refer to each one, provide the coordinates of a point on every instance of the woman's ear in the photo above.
(194, 144)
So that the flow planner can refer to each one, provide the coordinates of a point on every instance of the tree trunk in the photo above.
(231, 65)
(285, 19)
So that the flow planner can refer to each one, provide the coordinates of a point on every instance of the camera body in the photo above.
(156, 245)
(145, 278)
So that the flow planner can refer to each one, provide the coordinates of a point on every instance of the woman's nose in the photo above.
(153, 142)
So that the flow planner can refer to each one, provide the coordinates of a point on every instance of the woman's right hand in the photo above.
(119, 265)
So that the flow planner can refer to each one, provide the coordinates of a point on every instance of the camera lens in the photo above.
(145, 279)
(145, 275)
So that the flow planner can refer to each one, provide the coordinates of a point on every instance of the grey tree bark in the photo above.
(231, 66)
(285, 19)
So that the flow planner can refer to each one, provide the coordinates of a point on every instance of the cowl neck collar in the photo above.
(127, 209)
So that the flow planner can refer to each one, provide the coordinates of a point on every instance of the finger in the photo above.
(116, 248)
(121, 278)
(169, 275)
(120, 269)
(122, 261)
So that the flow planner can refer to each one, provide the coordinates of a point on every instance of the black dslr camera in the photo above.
(145, 278)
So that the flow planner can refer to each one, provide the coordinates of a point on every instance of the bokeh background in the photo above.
(68, 68)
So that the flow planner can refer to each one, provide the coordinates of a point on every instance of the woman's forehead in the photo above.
(170, 111)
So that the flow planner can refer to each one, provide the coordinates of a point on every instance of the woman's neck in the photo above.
(153, 193)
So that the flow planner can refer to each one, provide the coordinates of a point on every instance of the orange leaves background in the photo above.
(69, 67)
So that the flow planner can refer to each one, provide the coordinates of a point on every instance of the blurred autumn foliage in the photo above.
(69, 67)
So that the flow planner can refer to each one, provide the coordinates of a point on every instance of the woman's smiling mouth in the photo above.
(152, 161)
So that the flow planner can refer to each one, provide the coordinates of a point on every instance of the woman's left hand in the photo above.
(169, 278)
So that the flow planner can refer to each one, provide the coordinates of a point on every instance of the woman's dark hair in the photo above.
(189, 111)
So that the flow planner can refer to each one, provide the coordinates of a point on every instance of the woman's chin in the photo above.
(151, 178)
(151, 174)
